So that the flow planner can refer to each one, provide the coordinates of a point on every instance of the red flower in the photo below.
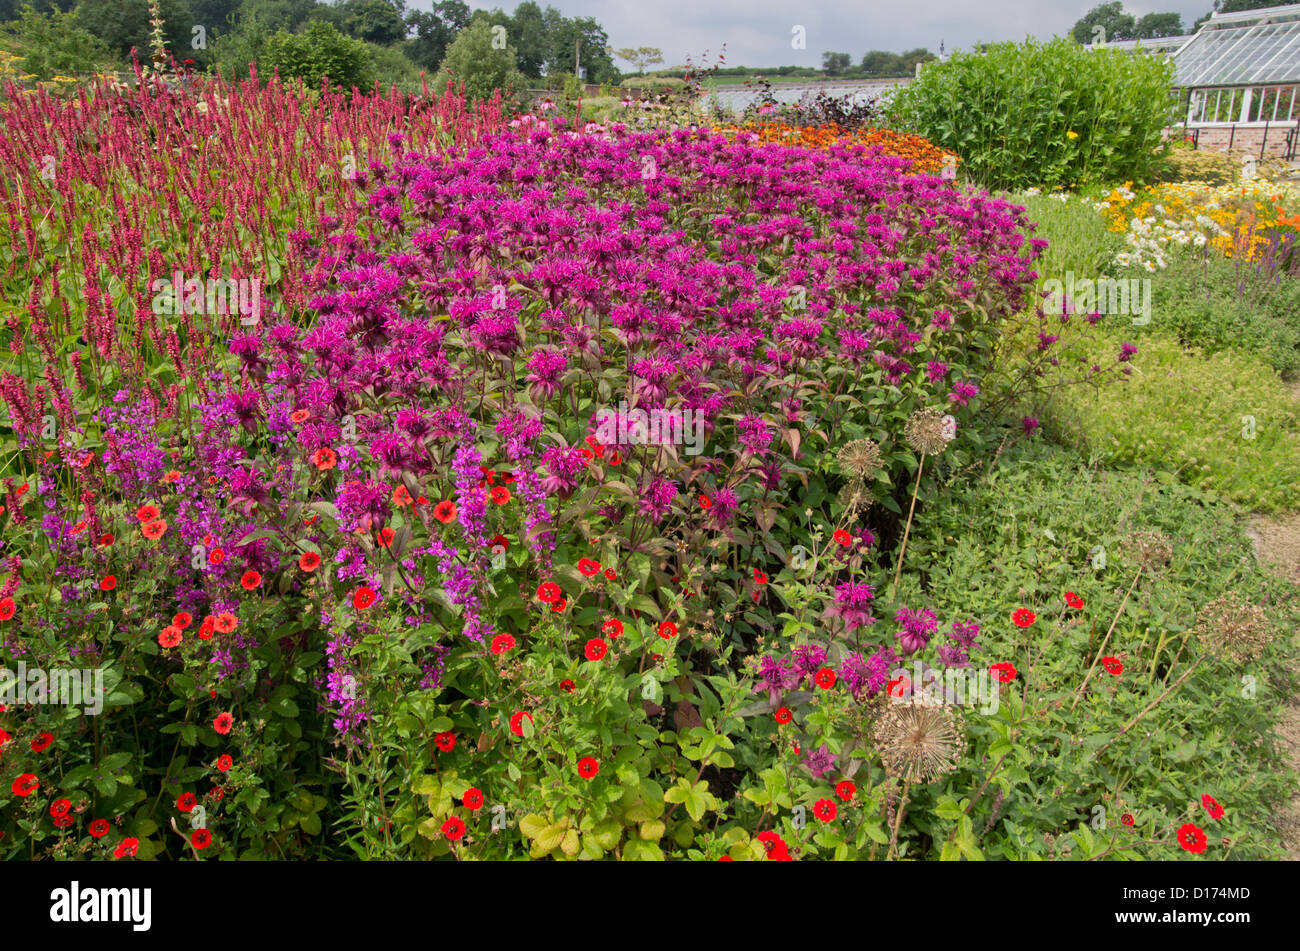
(667, 629)
(1113, 665)
(223, 723)
(611, 574)
(126, 847)
(705, 502)
(216, 556)
(825, 810)
(1073, 600)
(25, 785)
(825, 678)
(6, 608)
(99, 828)
(363, 598)
(902, 684)
(502, 643)
(615, 458)
(777, 850)
(784, 715)
(224, 762)
(1212, 806)
(548, 591)
(186, 802)
(1023, 617)
(155, 530)
(324, 458)
(559, 604)
(108, 583)
(842, 536)
(846, 790)
(473, 799)
(588, 767)
(42, 742)
(386, 537)
(1126, 819)
(170, 636)
(596, 649)
(309, 561)
(445, 511)
(613, 627)
(183, 620)
(401, 496)
(445, 741)
(250, 580)
(760, 577)
(500, 495)
(517, 722)
(171, 476)
(106, 539)
(299, 416)
(726, 858)
(200, 838)
(1004, 672)
(453, 828)
(225, 622)
(60, 807)
(568, 686)
(147, 513)
(588, 566)
(1191, 838)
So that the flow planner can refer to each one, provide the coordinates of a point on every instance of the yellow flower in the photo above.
(1071, 134)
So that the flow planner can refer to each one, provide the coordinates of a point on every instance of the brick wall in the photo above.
(1246, 139)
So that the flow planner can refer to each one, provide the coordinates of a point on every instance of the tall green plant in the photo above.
(1047, 114)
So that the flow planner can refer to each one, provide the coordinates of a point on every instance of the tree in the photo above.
(527, 31)
(1237, 6)
(641, 57)
(474, 60)
(909, 60)
(123, 24)
(1113, 21)
(835, 63)
(882, 63)
(50, 44)
(594, 51)
(434, 32)
(375, 21)
(1155, 25)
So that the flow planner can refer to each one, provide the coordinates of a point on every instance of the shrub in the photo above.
(472, 59)
(1197, 165)
(1043, 114)
(319, 51)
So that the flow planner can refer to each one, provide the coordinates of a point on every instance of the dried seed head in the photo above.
(927, 432)
(918, 741)
(1149, 548)
(1231, 628)
(860, 458)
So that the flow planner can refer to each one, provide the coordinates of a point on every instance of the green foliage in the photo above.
(1079, 240)
(317, 52)
(1222, 422)
(123, 24)
(1217, 304)
(374, 21)
(1043, 522)
(1197, 165)
(51, 44)
(474, 60)
(1051, 114)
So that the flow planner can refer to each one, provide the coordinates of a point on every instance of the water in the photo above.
(737, 98)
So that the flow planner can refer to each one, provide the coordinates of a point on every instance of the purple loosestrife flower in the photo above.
(808, 659)
(820, 761)
(657, 498)
(853, 605)
(754, 434)
(917, 628)
(563, 465)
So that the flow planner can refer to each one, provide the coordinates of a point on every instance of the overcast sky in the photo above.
(758, 32)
